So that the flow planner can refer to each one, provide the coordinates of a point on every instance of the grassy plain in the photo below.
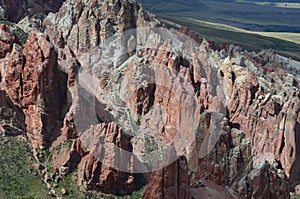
(287, 44)
(270, 16)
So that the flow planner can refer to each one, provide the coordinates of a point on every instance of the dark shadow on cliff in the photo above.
(295, 169)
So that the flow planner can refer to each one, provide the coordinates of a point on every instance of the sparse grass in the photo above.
(20, 35)
(69, 183)
(138, 122)
(295, 196)
(44, 156)
(18, 179)
(69, 143)
(135, 195)
(291, 37)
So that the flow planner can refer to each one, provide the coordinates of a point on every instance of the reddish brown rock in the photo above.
(208, 189)
(105, 143)
(72, 159)
(262, 182)
(262, 106)
(40, 82)
(169, 182)
(13, 77)
(7, 39)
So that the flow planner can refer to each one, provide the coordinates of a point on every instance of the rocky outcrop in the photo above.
(262, 182)
(12, 119)
(149, 96)
(41, 80)
(83, 25)
(33, 83)
(169, 182)
(13, 76)
(101, 169)
(241, 81)
(208, 189)
(259, 103)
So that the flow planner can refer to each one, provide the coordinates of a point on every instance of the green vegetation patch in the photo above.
(20, 35)
(223, 34)
(18, 178)
(68, 182)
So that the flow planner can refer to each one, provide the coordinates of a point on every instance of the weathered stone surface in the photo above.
(70, 160)
(263, 181)
(169, 182)
(245, 95)
(105, 144)
(2, 15)
(32, 81)
(6, 40)
(12, 119)
(82, 25)
(13, 76)
(234, 115)
(41, 81)
(208, 189)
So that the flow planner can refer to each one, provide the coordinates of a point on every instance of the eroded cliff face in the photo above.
(201, 120)
(32, 82)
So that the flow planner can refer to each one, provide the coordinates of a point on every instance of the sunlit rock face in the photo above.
(197, 118)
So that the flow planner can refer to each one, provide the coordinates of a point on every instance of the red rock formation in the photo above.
(41, 81)
(251, 121)
(73, 158)
(262, 183)
(32, 81)
(260, 104)
(208, 189)
(69, 127)
(169, 182)
(34, 86)
(105, 143)
(13, 77)
(256, 112)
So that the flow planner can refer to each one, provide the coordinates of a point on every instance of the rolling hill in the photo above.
(246, 14)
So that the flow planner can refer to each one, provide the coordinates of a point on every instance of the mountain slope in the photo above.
(112, 103)
(244, 14)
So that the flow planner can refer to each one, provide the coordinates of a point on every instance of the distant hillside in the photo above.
(258, 15)
(168, 6)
